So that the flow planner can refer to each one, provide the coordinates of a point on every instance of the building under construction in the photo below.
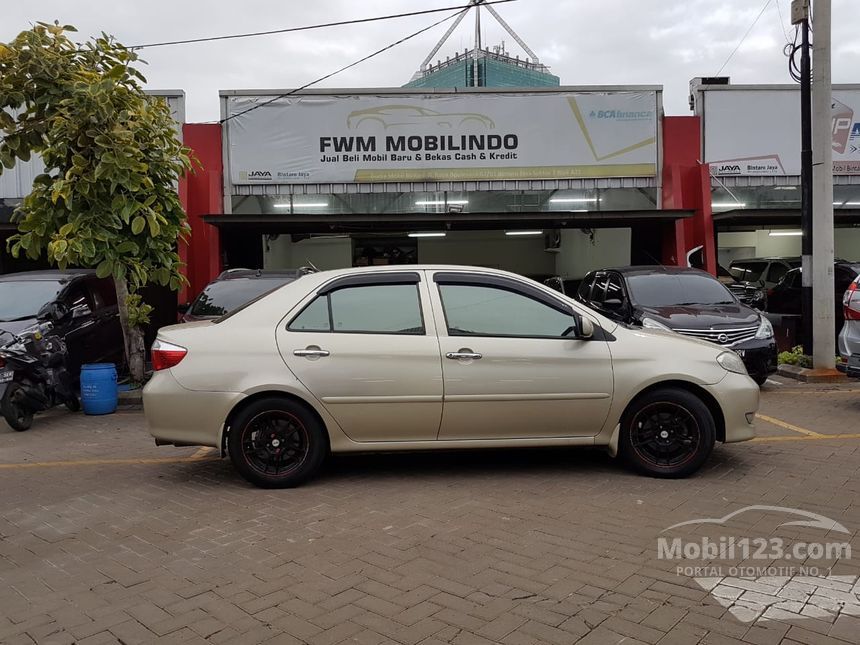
(483, 66)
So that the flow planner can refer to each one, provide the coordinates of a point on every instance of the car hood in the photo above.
(15, 327)
(703, 316)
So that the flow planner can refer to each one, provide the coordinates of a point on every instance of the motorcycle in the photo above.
(33, 372)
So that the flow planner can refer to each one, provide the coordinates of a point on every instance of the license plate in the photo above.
(5, 377)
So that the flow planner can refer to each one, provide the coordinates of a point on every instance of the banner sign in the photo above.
(441, 137)
(757, 132)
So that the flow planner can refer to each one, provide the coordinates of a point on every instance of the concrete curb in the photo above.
(811, 375)
(130, 398)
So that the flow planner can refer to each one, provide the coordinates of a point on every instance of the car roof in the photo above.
(49, 274)
(773, 258)
(646, 269)
(234, 274)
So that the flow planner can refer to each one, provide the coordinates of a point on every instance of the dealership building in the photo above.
(542, 181)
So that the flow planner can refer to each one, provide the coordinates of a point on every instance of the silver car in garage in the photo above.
(849, 337)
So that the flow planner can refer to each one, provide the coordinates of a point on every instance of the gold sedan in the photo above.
(438, 357)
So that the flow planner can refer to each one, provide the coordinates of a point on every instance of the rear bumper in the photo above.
(738, 396)
(849, 347)
(183, 417)
(759, 356)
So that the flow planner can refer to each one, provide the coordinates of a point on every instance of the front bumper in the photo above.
(759, 356)
(738, 396)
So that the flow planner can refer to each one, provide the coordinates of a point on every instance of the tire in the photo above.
(760, 379)
(73, 404)
(290, 455)
(670, 423)
(18, 417)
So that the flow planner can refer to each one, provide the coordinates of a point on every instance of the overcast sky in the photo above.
(585, 42)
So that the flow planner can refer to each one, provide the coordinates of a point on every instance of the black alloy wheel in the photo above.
(667, 433)
(276, 443)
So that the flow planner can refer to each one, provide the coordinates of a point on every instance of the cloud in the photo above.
(609, 42)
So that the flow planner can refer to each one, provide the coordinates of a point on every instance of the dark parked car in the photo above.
(763, 271)
(92, 332)
(750, 293)
(234, 288)
(785, 297)
(687, 301)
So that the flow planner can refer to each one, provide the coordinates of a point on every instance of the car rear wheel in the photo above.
(667, 433)
(276, 443)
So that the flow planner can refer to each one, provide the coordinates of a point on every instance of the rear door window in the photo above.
(365, 309)
(776, 271)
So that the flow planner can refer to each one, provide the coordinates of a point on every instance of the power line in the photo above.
(346, 67)
(305, 28)
(722, 67)
(782, 22)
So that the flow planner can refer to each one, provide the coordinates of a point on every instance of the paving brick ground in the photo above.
(128, 543)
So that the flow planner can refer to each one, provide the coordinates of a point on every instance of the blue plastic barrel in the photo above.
(98, 388)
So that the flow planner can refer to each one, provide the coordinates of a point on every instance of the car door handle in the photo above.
(311, 352)
(463, 353)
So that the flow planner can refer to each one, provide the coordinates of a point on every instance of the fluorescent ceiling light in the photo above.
(846, 203)
(785, 187)
(441, 202)
(523, 232)
(729, 205)
(573, 200)
(426, 234)
(785, 233)
(302, 205)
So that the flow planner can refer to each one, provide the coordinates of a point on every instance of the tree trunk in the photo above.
(132, 336)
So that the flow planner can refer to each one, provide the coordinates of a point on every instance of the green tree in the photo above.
(108, 198)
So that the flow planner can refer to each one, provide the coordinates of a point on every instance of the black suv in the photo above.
(92, 332)
(687, 301)
(234, 288)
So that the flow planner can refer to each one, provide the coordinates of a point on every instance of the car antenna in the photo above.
(312, 265)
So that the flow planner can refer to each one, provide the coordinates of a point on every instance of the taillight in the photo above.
(2, 362)
(851, 302)
(166, 355)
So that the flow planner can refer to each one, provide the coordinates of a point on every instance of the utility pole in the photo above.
(823, 324)
(800, 16)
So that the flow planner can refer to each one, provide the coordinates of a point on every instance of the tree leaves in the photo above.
(138, 224)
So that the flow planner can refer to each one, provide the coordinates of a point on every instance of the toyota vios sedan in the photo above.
(437, 357)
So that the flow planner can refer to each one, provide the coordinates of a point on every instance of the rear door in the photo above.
(366, 347)
(511, 363)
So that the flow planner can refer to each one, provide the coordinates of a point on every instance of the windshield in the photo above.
(667, 289)
(22, 300)
(749, 271)
(222, 297)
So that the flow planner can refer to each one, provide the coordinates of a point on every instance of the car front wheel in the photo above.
(276, 443)
(667, 433)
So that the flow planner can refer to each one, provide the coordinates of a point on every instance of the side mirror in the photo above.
(586, 328)
(53, 311)
(183, 308)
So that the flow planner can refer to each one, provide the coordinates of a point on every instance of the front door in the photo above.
(364, 348)
(512, 365)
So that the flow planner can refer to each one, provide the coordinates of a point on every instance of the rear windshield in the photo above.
(663, 290)
(220, 298)
(22, 300)
(748, 271)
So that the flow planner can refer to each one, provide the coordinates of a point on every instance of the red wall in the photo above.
(687, 185)
(202, 194)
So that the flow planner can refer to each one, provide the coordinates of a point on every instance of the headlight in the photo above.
(650, 323)
(765, 329)
(731, 362)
